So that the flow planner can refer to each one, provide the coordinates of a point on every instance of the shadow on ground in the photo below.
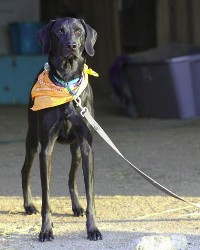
(127, 206)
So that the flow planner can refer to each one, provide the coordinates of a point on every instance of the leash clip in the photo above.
(84, 110)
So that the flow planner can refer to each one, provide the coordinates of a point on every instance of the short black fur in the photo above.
(66, 41)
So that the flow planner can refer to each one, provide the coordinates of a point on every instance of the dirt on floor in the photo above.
(127, 206)
(121, 219)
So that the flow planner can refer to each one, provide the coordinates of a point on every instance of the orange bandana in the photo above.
(46, 94)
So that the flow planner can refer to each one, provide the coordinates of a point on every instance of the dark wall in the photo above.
(138, 25)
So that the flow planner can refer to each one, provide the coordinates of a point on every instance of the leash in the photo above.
(86, 114)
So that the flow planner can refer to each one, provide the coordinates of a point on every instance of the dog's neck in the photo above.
(66, 69)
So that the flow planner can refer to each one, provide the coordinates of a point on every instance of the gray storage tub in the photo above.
(165, 82)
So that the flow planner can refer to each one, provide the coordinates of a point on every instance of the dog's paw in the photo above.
(30, 209)
(94, 235)
(78, 211)
(46, 235)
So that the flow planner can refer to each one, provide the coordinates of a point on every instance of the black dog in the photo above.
(66, 41)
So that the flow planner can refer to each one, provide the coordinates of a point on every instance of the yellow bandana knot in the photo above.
(89, 71)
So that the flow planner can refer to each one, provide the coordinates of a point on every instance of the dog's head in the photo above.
(67, 37)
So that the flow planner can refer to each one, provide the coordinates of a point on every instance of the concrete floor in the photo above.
(128, 207)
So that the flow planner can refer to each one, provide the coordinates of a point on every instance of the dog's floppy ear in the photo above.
(91, 37)
(43, 37)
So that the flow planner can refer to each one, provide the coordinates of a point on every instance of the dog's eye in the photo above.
(62, 31)
(77, 32)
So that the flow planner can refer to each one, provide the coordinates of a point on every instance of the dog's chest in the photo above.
(65, 135)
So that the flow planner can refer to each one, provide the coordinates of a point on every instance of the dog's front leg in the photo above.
(46, 232)
(84, 138)
(88, 170)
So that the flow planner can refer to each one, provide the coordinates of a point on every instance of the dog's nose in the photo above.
(71, 45)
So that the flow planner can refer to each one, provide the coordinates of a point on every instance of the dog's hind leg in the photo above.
(76, 159)
(31, 150)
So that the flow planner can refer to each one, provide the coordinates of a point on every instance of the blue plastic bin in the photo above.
(23, 40)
